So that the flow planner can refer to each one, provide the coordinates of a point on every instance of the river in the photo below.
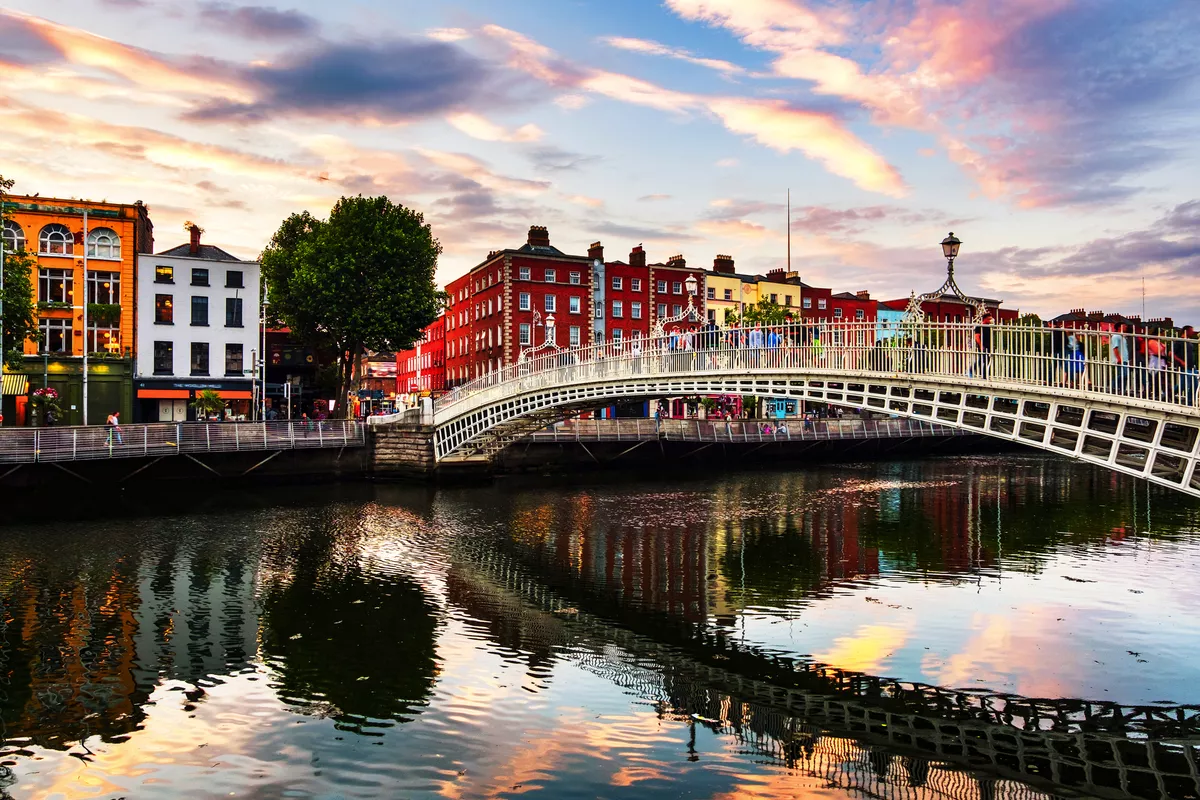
(996, 626)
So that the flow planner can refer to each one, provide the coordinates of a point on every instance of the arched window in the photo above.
(56, 240)
(14, 237)
(104, 243)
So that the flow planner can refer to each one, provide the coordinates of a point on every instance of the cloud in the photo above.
(389, 80)
(478, 127)
(650, 47)
(774, 123)
(257, 22)
(726, 163)
(647, 198)
(554, 159)
(819, 136)
(448, 34)
(471, 167)
(22, 45)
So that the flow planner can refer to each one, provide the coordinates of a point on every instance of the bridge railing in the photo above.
(717, 430)
(1159, 369)
(93, 442)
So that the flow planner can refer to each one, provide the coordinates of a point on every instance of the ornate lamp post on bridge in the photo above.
(915, 311)
(689, 313)
(548, 343)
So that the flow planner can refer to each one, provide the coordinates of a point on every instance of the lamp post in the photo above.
(950, 247)
(551, 339)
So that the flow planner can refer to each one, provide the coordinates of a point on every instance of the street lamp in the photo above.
(950, 247)
(550, 337)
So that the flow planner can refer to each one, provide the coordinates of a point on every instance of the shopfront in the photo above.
(171, 400)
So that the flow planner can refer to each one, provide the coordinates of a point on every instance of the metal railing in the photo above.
(1157, 370)
(94, 442)
(696, 430)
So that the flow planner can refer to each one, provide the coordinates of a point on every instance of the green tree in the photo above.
(20, 320)
(208, 402)
(361, 280)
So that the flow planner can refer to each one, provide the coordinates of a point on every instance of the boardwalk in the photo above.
(56, 445)
(694, 430)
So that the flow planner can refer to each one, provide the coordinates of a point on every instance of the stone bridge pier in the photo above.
(402, 450)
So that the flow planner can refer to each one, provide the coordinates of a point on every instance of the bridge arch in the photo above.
(1149, 437)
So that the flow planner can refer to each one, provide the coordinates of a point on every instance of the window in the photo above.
(164, 309)
(712, 293)
(787, 299)
(821, 302)
(524, 334)
(523, 301)
(551, 303)
(56, 240)
(576, 304)
(712, 315)
(233, 279)
(549, 276)
(574, 336)
(806, 302)
(729, 294)
(104, 243)
(164, 274)
(199, 358)
(676, 287)
(837, 313)
(775, 299)
(199, 310)
(676, 310)
(635, 284)
(618, 309)
(523, 273)
(14, 237)
(103, 338)
(617, 283)
(199, 276)
(575, 278)
(56, 335)
(489, 308)
(56, 285)
(859, 314)
(635, 310)
(618, 334)
(233, 359)
(662, 287)
(104, 287)
(662, 310)
(233, 312)
(164, 358)
(599, 311)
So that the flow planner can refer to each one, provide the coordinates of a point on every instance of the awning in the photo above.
(163, 394)
(230, 395)
(15, 384)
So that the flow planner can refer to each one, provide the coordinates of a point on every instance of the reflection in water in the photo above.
(915, 629)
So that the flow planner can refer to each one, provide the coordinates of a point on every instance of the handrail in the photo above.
(96, 442)
(717, 430)
(1154, 370)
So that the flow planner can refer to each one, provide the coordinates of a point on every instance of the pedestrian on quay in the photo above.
(657, 418)
(114, 428)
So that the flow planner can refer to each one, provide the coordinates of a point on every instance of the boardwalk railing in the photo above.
(1158, 370)
(694, 430)
(83, 443)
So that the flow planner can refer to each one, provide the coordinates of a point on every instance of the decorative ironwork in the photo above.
(548, 342)
(915, 311)
(688, 314)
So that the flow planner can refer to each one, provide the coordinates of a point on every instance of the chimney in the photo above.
(194, 246)
(637, 257)
(863, 295)
(723, 264)
(776, 275)
(538, 236)
(677, 261)
(596, 252)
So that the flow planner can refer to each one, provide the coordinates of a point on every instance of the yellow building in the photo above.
(51, 231)
(730, 294)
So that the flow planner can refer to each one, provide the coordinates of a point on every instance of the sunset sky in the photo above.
(1060, 139)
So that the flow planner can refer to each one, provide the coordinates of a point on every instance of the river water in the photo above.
(1000, 626)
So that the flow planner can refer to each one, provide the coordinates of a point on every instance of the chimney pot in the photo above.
(194, 246)
(637, 257)
(863, 295)
(723, 264)
(538, 236)
(596, 251)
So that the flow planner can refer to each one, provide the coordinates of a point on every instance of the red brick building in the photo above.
(422, 368)
(630, 297)
(458, 330)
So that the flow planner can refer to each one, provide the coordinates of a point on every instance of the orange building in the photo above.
(52, 232)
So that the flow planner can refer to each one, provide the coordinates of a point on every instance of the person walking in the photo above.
(1118, 356)
(983, 346)
(114, 428)
(635, 353)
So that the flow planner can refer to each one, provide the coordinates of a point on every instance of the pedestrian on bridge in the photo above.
(114, 428)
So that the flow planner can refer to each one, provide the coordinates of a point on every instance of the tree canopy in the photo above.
(19, 317)
(361, 280)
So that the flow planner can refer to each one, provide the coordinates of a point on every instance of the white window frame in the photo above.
(573, 333)
(523, 273)
(617, 283)
(599, 311)
(711, 293)
(662, 287)
(14, 236)
(56, 239)
(618, 309)
(550, 276)
(676, 310)
(635, 284)
(635, 310)
(859, 314)
(662, 310)
(576, 280)
(806, 302)
(575, 304)
(104, 243)
(550, 303)
(676, 287)
(617, 335)
(837, 313)
(729, 294)
(822, 303)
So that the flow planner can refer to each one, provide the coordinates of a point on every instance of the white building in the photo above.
(197, 329)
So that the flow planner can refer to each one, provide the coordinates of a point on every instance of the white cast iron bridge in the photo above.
(1057, 390)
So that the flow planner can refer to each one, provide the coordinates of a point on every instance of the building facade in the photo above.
(52, 232)
(421, 370)
(198, 328)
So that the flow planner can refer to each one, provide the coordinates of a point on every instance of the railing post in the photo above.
(345, 439)
(178, 437)
(237, 437)
(37, 445)
(74, 443)
(207, 438)
(291, 435)
(146, 440)
(320, 434)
